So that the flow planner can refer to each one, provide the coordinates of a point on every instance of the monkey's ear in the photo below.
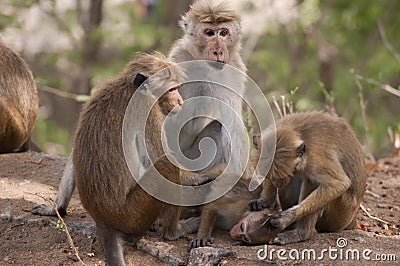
(256, 141)
(183, 23)
(301, 149)
(138, 80)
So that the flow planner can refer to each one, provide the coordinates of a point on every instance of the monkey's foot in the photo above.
(156, 225)
(201, 242)
(45, 210)
(292, 236)
(283, 219)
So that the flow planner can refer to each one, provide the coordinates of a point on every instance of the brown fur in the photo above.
(224, 212)
(19, 102)
(188, 49)
(332, 173)
(121, 208)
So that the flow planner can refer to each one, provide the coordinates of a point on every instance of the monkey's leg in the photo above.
(170, 221)
(339, 214)
(112, 245)
(268, 198)
(13, 132)
(328, 189)
(203, 237)
(305, 226)
(65, 190)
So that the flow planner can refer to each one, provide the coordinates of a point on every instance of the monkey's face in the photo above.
(254, 228)
(215, 42)
(171, 101)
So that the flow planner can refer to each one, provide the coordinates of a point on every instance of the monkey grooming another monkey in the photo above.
(19, 103)
(323, 152)
(212, 31)
(121, 209)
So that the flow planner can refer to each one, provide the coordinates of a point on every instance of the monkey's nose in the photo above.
(219, 55)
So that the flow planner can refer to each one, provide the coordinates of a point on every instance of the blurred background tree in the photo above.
(337, 53)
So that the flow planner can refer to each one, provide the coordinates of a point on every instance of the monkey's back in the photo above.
(18, 95)
(100, 168)
(320, 129)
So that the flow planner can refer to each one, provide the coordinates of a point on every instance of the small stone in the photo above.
(207, 256)
(161, 250)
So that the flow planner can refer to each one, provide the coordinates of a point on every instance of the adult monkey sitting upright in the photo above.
(212, 31)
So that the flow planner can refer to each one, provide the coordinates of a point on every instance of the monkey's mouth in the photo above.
(175, 110)
(217, 64)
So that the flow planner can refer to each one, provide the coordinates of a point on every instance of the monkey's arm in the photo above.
(330, 185)
(65, 190)
(268, 198)
(195, 179)
(203, 237)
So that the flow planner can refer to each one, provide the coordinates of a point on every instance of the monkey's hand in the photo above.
(45, 210)
(260, 204)
(283, 219)
(201, 242)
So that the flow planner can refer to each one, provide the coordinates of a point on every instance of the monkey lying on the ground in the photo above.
(121, 209)
(19, 102)
(318, 162)
(224, 212)
(323, 151)
(212, 31)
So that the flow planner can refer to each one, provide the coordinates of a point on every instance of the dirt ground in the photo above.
(27, 179)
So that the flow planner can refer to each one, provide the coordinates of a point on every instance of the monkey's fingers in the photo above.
(257, 205)
(283, 219)
(201, 242)
(156, 225)
(45, 210)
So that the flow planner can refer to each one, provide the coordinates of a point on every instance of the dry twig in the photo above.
(63, 94)
(70, 241)
(386, 42)
(371, 216)
(365, 122)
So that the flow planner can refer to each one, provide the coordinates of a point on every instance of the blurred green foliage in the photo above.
(281, 61)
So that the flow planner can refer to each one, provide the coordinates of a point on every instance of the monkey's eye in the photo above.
(246, 239)
(174, 88)
(209, 32)
(224, 32)
(241, 227)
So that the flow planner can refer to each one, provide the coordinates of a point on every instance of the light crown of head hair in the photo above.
(214, 12)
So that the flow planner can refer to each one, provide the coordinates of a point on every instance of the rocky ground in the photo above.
(27, 179)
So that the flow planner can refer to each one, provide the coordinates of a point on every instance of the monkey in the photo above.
(254, 228)
(224, 212)
(212, 31)
(229, 209)
(19, 103)
(121, 209)
(308, 145)
(323, 152)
